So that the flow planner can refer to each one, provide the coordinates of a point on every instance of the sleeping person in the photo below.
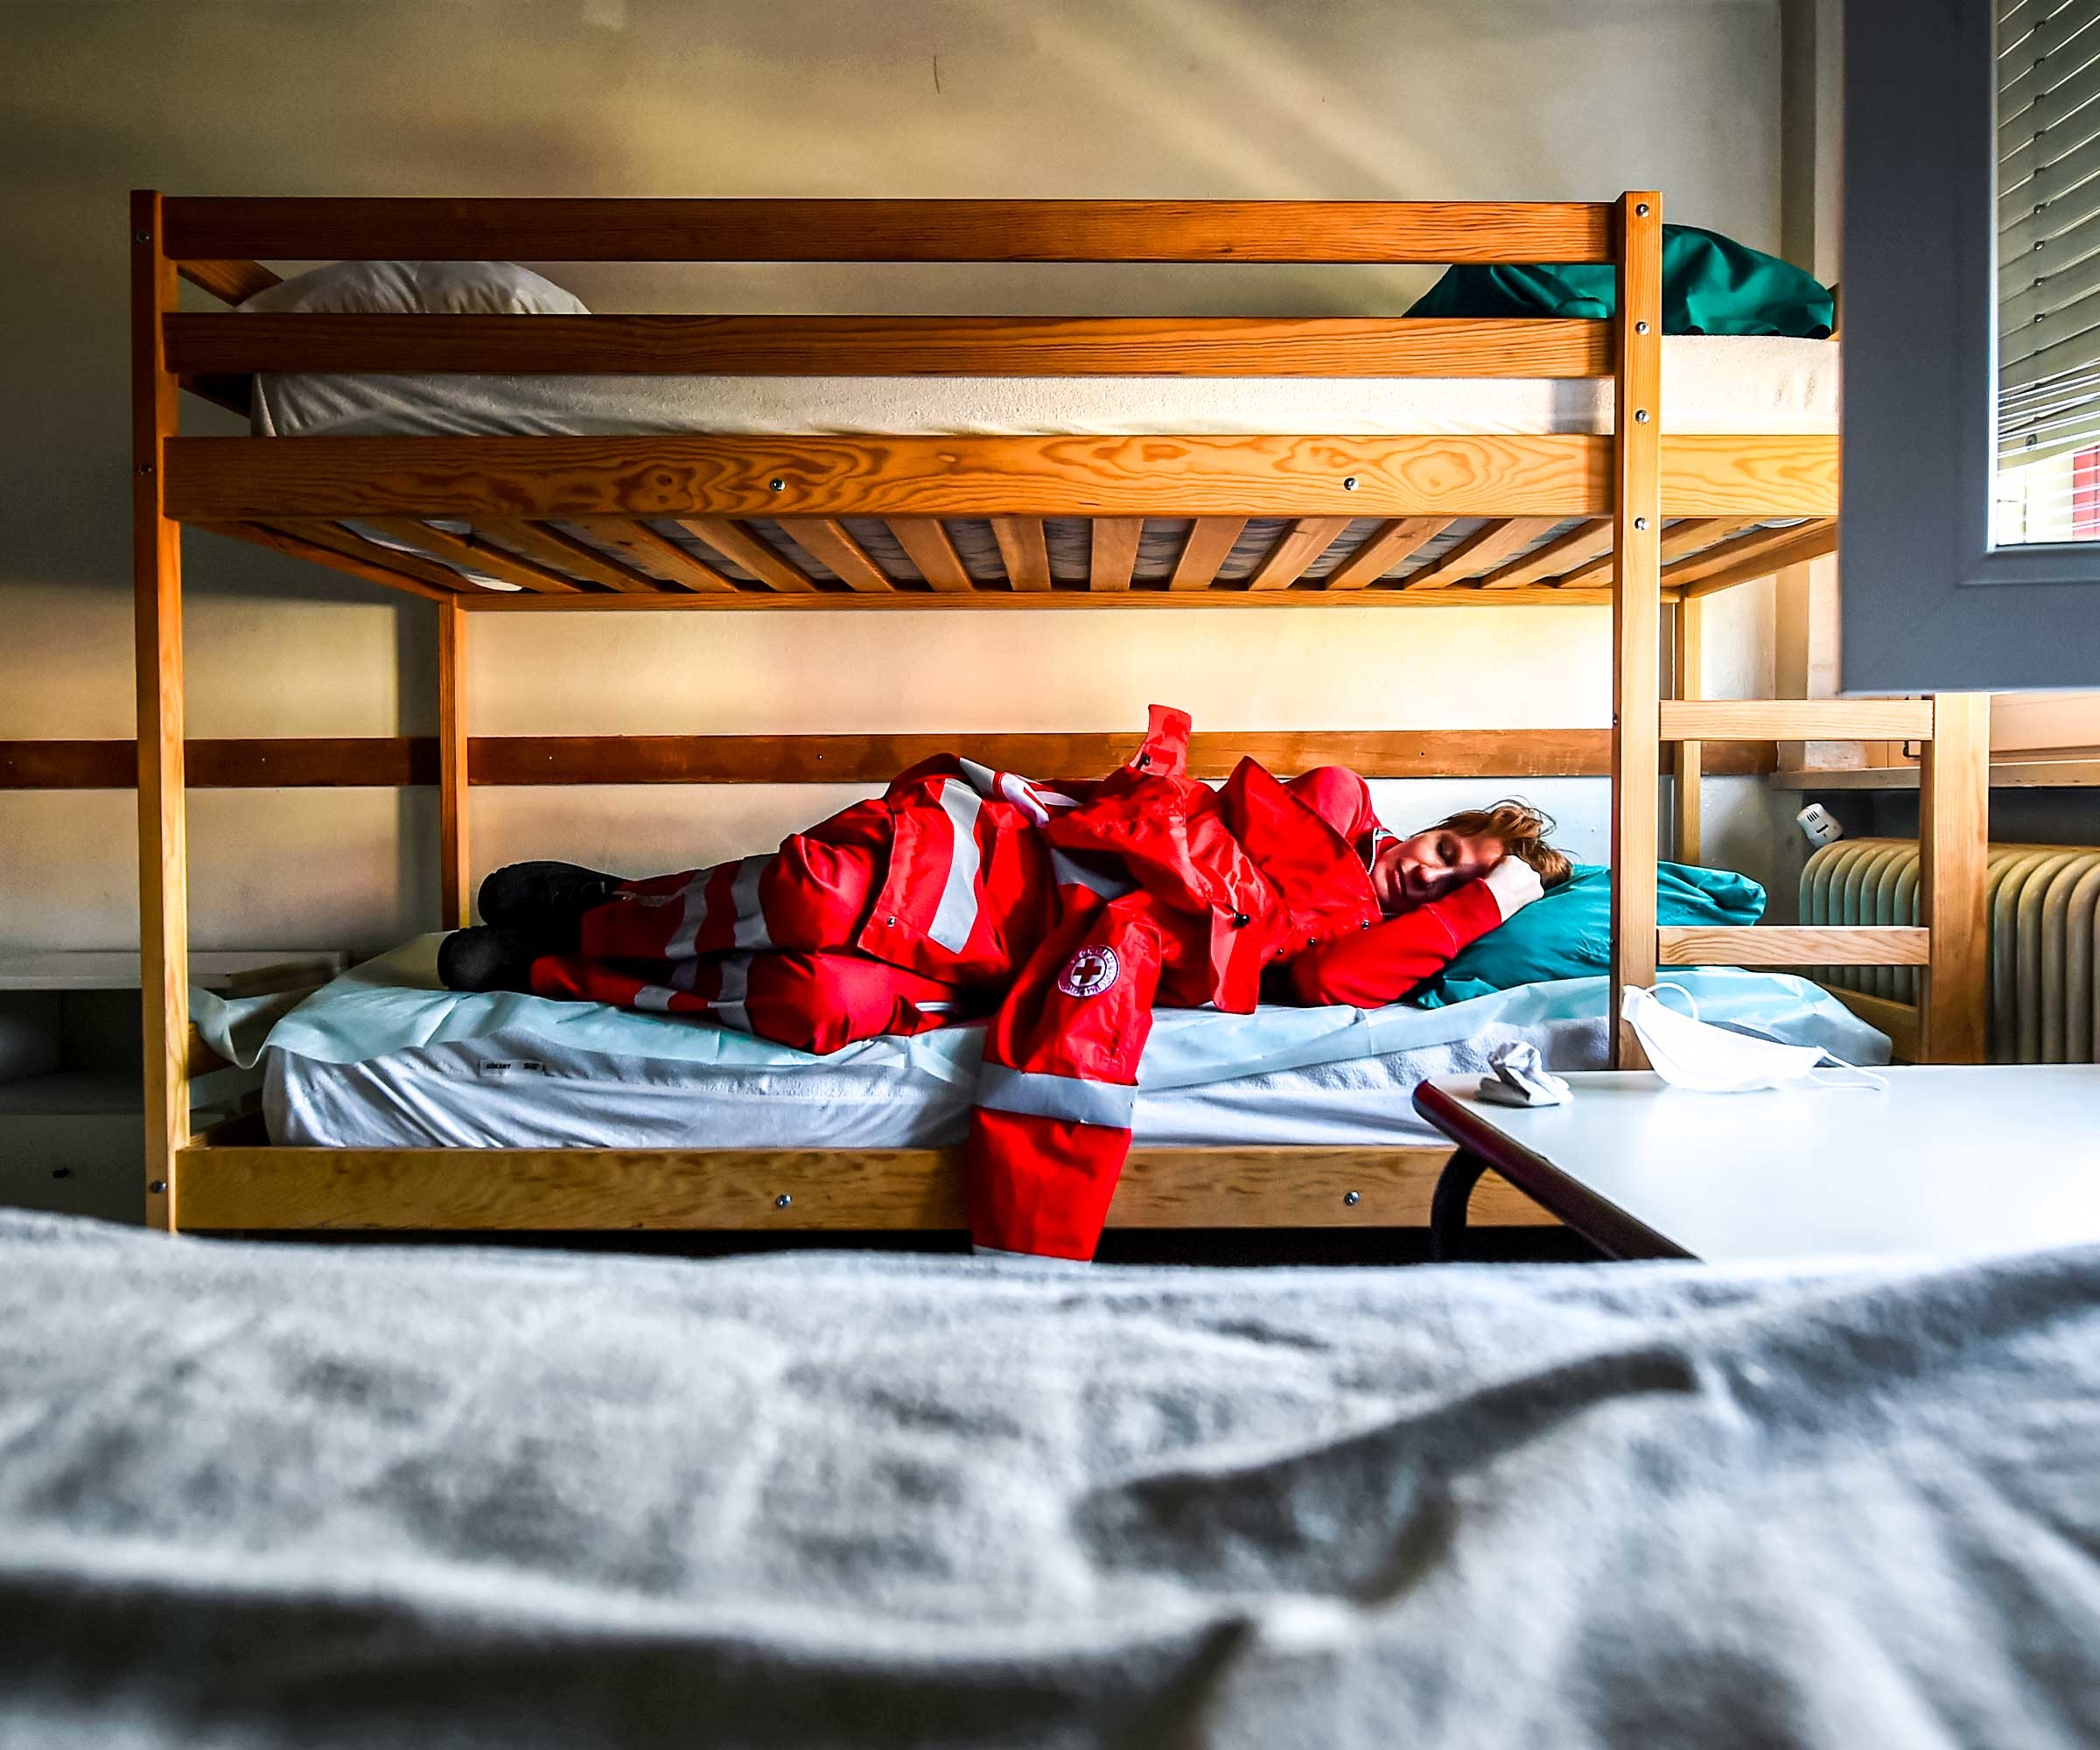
(1064, 912)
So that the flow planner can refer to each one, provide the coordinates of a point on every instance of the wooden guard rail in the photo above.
(390, 761)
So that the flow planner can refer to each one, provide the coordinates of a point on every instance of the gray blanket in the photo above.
(257, 1496)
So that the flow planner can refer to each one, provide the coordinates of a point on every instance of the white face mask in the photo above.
(1689, 1052)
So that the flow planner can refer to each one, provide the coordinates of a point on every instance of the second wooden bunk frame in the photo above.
(295, 495)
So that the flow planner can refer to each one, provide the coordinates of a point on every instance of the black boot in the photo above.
(486, 959)
(544, 902)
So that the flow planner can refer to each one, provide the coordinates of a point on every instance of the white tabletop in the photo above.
(1947, 1161)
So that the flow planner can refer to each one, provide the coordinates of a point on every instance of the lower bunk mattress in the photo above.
(383, 1057)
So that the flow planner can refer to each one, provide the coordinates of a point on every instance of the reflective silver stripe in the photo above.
(750, 931)
(693, 899)
(1032, 1094)
(1066, 872)
(655, 999)
(956, 914)
(728, 1006)
(982, 778)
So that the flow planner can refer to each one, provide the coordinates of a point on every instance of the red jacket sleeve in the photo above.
(1381, 964)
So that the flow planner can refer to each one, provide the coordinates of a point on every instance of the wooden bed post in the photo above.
(1636, 607)
(1954, 830)
(156, 600)
(1687, 668)
(455, 878)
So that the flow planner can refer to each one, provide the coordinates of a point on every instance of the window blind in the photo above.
(2048, 238)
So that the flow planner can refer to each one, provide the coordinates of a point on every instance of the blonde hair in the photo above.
(1520, 828)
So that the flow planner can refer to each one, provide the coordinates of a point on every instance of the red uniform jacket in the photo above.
(1227, 886)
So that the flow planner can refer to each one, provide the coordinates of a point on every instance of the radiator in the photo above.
(2044, 948)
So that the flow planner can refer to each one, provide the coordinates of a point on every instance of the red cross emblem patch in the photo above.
(1089, 972)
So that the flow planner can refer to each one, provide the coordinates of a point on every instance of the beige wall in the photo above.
(1360, 98)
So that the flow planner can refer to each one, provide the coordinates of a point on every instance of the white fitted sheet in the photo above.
(1711, 383)
(380, 1059)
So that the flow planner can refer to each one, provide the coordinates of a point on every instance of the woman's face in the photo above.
(1408, 872)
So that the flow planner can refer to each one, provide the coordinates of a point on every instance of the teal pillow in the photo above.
(1710, 286)
(1568, 934)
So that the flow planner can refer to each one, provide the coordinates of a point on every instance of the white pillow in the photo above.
(420, 289)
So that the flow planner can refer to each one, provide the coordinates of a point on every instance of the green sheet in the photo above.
(1710, 286)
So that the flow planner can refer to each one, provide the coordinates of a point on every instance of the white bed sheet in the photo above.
(1711, 383)
(380, 1059)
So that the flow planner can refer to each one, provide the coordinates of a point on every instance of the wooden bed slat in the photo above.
(831, 544)
(789, 1190)
(233, 281)
(1112, 551)
(563, 553)
(1751, 556)
(1688, 535)
(1790, 945)
(926, 541)
(1024, 551)
(1483, 549)
(495, 562)
(1388, 546)
(1295, 552)
(1583, 543)
(824, 230)
(659, 554)
(761, 558)
(1210, 542)
(326, 544)
(386, 762)
(578, 478)
(892, 345)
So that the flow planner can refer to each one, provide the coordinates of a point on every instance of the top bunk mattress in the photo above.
(1735, 385)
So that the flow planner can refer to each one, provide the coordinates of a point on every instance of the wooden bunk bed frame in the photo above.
(1713, 494)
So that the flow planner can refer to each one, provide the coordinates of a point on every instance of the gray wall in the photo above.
(1360, 98)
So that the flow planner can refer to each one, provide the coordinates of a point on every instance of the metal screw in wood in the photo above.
(1349, 484)
(1640, 416)
(782, 1201)
(157, 1188)
(1352, 1198)
(778, 486)
(1640, 522)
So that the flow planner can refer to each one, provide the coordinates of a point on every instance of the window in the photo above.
(2049, 270)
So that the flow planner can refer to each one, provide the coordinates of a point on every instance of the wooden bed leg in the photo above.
(455, 877)
(1636, 608)
(1954, 830)
(1688, 665)
(163, 840)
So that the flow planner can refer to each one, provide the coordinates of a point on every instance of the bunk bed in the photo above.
(1636, 520)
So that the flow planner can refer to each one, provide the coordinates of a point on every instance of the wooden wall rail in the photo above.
(830, 1189)
(1565, 475)
(392, 761)
(762, 230)
(893, 345)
